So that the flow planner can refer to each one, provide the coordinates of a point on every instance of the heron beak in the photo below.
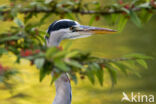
(95, 30)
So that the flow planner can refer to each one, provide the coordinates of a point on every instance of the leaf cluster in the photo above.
(26, 40)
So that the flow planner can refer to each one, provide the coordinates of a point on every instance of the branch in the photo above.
(85, 12)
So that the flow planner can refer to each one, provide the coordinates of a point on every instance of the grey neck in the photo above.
(55, 39)
(62, 84)
(63, 90)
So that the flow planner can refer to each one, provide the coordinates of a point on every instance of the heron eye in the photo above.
(72, 29)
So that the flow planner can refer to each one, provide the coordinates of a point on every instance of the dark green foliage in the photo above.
(25, 40)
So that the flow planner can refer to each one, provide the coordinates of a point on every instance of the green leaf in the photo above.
(54, 78)
(122, 67)
(2, 50)
(144, 5)
(90, 74)
(14, 37)
(74, 78)
(125, 10)
(145, 16)
(135, 19)
(61, 65)
(122, 22)
(2, 7)
(92, 20)
(142, 63)
(60, 54)
(67, 45)
(51, 51)
(69, 16)
(72, 54)
(138, 56)
(47, 68)
(39, 62)
(113, 73)
(132, 67)
(74, 63)
(48, 1)
(42, 74)
(99, 73)
(45, 16)
(19, 22)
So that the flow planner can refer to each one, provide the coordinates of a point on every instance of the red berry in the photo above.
(120, 2)
(127, 6)
(37, 51)
(26, 53)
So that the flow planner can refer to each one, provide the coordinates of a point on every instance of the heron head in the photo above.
(69, 29)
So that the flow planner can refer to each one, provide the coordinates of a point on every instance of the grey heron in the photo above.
(68, 29)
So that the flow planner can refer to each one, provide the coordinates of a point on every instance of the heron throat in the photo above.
(62, 84)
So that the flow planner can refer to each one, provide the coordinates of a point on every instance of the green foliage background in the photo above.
(29, 90)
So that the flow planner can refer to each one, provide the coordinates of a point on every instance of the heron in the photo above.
(68, 29)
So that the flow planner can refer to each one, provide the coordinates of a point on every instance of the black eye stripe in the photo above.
(61, 25)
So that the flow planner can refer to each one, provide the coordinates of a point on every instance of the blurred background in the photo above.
(132, 39)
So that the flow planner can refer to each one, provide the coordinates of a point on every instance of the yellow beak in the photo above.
(95, 30)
